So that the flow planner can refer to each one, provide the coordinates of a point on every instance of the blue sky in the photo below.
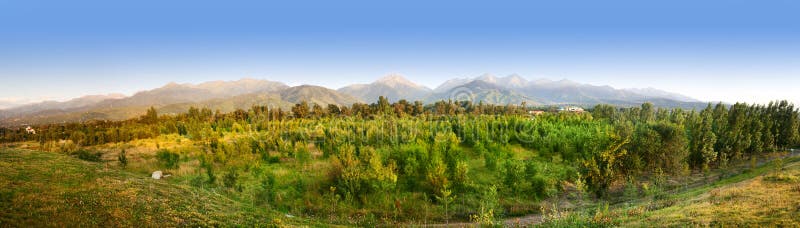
(711, 50)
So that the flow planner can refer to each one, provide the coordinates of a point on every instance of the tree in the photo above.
(647, 113)
(151, 116)
(122, 158)
(604, 167)
(787, 121)
(334, 110)
(604, 111)
(445, 197)
(383, 105)
(704, 139)
(720, 127)
(419, 109)
(301, 110)
(514, 175)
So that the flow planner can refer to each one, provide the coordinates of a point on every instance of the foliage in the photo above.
(88, 156)
(168, 159)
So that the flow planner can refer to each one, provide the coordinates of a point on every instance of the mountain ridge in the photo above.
(243, 93)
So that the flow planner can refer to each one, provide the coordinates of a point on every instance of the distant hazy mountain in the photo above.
(242, 86)
(657, 93)
(120, 107)
(229, 104)
(549, 92)
(174, 93)
(511, 82)
(58, 106)
(11, 103)
(394, 87)
(479, 90)
(452, 83)
(316, 94)
(227, 96)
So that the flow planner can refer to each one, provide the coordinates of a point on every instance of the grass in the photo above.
(46, 189)
(764, 197)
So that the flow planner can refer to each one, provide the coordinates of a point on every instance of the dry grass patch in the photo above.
(765, 201)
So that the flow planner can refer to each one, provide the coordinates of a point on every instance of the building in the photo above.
(30, 130)
(575, 109)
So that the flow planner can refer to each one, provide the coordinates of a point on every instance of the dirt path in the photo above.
(523, 221)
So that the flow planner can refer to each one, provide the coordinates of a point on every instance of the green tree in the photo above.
(647, 113)
(445, 197)
(605, 167)
(704, 139)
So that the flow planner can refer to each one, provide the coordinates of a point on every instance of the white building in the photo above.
(571, 109)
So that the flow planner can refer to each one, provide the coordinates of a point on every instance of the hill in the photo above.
(562, 92)
(54, 106)
(52, 189)
(482, 91)
(316, 94)
(394, 87)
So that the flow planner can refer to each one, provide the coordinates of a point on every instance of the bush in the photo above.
(88, 156)
(540, 187)
(168, 159)
(230, 179)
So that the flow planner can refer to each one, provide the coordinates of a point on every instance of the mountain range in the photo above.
(227, 96)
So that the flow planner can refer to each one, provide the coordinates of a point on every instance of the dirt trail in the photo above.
(523, 221)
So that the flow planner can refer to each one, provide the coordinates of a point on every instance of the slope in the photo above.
(393, 87)
(50, 189)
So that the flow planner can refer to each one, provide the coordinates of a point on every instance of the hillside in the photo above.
(768, 196)
(393, 87)
(486, 92)
(51, 189)
(764, 196)
(57, 106)
(316, 94)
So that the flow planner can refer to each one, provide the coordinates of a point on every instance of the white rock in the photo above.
(157, 175)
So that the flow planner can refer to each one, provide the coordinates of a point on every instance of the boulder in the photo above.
(157, 175)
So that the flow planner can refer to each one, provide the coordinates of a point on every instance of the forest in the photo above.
(414, 163)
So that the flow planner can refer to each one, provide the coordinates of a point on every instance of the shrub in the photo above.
(631, 189)
(514, 175)
(540, 187)
(230, 179)
(88, 156)
(168, 159)
(266, 193)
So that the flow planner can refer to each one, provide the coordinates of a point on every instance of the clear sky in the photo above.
(712, 50)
